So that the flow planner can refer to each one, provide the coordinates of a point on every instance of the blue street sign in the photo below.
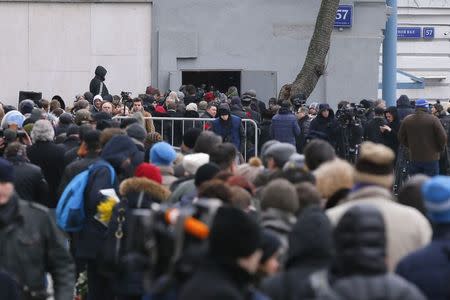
(409, 32)
(344, 16)
(428, 33)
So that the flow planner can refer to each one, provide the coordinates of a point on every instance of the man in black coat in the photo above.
(373, 129)
(31, 245)
(48, 156)
(97, 85)
(29, 181)
(233, 257)
(360, 270)
(88, 243)
(310, 250)
(324, 126)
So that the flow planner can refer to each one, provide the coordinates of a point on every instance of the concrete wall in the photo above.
(266, 35)
(54, 47)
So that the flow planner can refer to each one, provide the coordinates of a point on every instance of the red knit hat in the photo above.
(149, 171)
(209, 96)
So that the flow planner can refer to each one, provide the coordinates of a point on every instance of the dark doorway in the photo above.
(221, 80)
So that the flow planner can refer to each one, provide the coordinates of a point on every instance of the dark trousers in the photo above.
(429, 168)
(99, 286)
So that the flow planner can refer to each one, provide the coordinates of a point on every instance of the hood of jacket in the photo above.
(100, 73)
(403, 102)
(360, 240)
(277, 220)
(311, 238)
(152, 189)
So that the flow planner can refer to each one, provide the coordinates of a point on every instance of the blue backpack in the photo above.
(70, 213)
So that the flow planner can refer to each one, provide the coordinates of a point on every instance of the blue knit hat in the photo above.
(162, 154)
(422, 103)
(436, 194)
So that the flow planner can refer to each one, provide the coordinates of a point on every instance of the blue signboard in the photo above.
(344, 16)
(409, 32)
(428, 33)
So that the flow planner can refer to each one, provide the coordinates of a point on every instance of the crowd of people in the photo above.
(170, 211)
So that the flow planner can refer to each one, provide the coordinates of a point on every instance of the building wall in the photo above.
(54, 47)
(265, 35)
(426, 58)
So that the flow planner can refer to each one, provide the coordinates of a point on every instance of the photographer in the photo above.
(304, 122)
(349, 132)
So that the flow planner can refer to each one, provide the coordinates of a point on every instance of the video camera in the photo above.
(350, 114)
(126, 98)
(298, 101)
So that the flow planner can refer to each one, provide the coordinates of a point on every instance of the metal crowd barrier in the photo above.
(201, 123)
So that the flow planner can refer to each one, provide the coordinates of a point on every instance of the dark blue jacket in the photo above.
(429, 268)
(285, 127)
(230, 131)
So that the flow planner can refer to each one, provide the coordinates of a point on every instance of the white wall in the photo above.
(54, 48)
(426, 58)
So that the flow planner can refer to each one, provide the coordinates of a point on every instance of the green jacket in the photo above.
(32, 246)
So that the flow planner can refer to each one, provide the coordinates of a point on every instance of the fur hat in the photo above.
(280, 194)
(230, 242)
(375, 165)
(192, 162)
(333, 176)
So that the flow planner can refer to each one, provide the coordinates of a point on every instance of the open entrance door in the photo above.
(220, 80)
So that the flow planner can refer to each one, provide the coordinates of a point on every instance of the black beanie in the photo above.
(205, 173)
(190, 137)
(233, 234)
(6, 171)
(270, 244)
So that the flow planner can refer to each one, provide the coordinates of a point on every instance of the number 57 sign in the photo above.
(344, 16)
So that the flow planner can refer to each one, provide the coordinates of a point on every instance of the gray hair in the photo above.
(42, 131)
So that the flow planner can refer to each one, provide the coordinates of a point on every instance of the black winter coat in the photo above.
(310, 250)
(360, 270)
(74, 169)
(94, 86)
(404, 108)
(50, 158)
(372, 132)
(8, 287)
(218, 281)
(29, 182)
(386, 287)
(325, 129)
(31, 245)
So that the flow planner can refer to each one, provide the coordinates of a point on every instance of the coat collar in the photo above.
(150, 187)
(370, 191)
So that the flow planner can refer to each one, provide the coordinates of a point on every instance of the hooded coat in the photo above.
(95, 85)
(231, 130)
(404, 107)
(390, 138)
(324, 128)
(310, 250)
(360, 270)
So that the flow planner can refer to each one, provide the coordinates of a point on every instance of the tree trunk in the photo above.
(314, 65)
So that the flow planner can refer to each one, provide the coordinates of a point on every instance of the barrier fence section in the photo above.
(171, 133)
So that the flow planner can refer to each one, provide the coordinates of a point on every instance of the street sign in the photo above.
(344, 16)
(428, 33)
(409, 32)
